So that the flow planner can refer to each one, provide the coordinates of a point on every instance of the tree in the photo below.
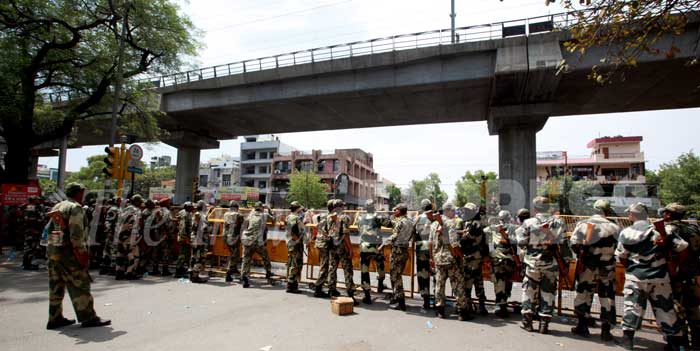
(394, 195)
(628, 29)
(73, 46)
(307, 188)
(680, 182)
(570, 197)
(468, 189)
(152, 178)
(91, 176)
(427, 188)
(48, 186)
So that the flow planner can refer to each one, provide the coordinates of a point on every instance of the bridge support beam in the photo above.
(517, 127)
(189, 145)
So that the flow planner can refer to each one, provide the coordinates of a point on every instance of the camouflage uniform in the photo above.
(541, 270)
(66, 271)
(33, 227)
(442, 239)
(110, 248)
(472, 243)
(369, 226)
(598, 267)
(183, 240)
(199, 239)
(339, 255)
(400, 240)
(422, 239)
(647, 278)
(128, 227)
(502, 261)
(163, 227)
(232, 237)
(255, 227)
(295, 247)
(323, 244)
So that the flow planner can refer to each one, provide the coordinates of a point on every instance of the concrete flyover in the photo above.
(503, 73)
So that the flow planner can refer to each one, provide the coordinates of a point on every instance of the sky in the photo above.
(238, 30)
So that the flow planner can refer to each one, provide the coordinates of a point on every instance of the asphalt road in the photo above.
(165, 314)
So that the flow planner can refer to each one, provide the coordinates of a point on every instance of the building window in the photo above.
(349, 168)
(263, 169)
(226, 180)
(249, 170)
(321, 167)
(248, 183)
(336, 165)
(262, 184)
(249, 156)
(203, 180)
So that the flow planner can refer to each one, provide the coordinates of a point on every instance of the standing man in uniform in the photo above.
(369, 226)
(686, 284)
(233, 220)
(644, 254)
(33, 226)
(323, 244)
(400, 239)
(128, 227)
(253, 239)
(183, 239)
(422, 239)
(68, 262)
(296, 234)
(341, 254)
(539, 237)
(199, 239)
(472, 243)
(109, 252)
(503, 259)
(594, 241)
(163, 227)
(446, 257)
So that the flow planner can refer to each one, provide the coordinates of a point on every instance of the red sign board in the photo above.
(230, 197)
(18, 194)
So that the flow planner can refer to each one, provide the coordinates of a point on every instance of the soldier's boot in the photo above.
(400, 304)
(333, 292)
(59, 323)
(246, 283)
(96, 322)
(132, 276)
(627, 341)
(268, 276)
(440, 311)
(605, 333)
(166, 272)
(318, 292)
(482, 308)
(154, 271)
(104, 268)
(351, 294)
(581, 328)
(426, 302)
(503, 311)
(180, 272)
(229, 276)
(544, 325)
(676, 343)
(526, 324)
(368, 298)
(380, 286)
(464, 314)
(119, 275)
(28, 266)
(293, 288)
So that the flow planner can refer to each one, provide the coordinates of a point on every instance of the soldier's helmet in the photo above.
(426, 205)
(504, 216)
(369, 205)
(72, 189)
(294, 205)
(187, 205)
(448, 206)
(402, 207)
(673, 207)
(233, 204)
(540, 203)
(638, 208)
(602, 205)
(523, 212)
(136, 200)
(339, 203)
(164, 202)
(258, 205)
(201, 205)
(150, 203)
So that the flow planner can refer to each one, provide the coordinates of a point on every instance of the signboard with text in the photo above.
(238, 193)
(159, 193)
(18, 194)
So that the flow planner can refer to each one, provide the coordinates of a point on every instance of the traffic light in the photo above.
(113, 163)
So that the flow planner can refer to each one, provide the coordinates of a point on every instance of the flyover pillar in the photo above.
(189, 145)
(517, 127)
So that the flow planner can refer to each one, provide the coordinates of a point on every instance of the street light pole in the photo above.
(452, 16)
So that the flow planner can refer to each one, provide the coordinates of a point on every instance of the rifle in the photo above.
(670, 263)
(514, 252)
(57, 238)
(556, 253)
(582, 250)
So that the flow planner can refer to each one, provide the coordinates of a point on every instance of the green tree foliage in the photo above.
(570, 197)
(72, 46)
(680, 182)
(307, 188)
(468, 189)
(48, 186)
(91, 175)
(628, 29)
(152, 178)
(394, 195)
(427, 188)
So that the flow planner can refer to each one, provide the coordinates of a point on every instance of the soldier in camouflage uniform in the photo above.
(323, 243)
(129, 226)
(422, 238)
(68, 262)
(686, 284)
(369, 226)
(253, 240)
(643, 253)
(149, 218)
(33, 226)
(200, 236)
(109, 251)
(232, 237)
(295, 235)
(162, 225)
(341, 253)
(540, 236)
(183, 239)
(446, 257)
(502, 259)
(472, 243)
(400, 240)
(598, 263)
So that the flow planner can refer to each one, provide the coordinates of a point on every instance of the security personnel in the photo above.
(199, 239)
(472, 243)
(233, 220)
(295, 235)
(110, 248)
(128, 229)
(149, 219)
(164, 228)
(594, 241)
(644, 254)
(68, 262)
(369, 226)
(253, 239)
(323, 244)
(183, 239)
(400, 240)
(686, 284)
(422, 233)
(341, 254)
(503, 259)
(540, 236)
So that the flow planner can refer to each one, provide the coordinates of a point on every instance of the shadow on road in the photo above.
(89, 335)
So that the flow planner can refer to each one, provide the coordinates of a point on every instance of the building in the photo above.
(357, 164)
(612, 160)
(223, 171)
(44, 172)
(160, 161)
(257, 153)
(382, 195)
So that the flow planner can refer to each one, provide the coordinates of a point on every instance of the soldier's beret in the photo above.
(673, 207)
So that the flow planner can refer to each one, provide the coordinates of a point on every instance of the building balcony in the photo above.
(256, 176)
(260, 145)
(256, 161)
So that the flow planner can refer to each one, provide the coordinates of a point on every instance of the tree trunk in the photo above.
(17, 161)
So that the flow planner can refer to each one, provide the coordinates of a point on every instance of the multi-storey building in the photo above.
(223, 171)
(257, 153)
(357, 164)
(382, 195)
(160, 161)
